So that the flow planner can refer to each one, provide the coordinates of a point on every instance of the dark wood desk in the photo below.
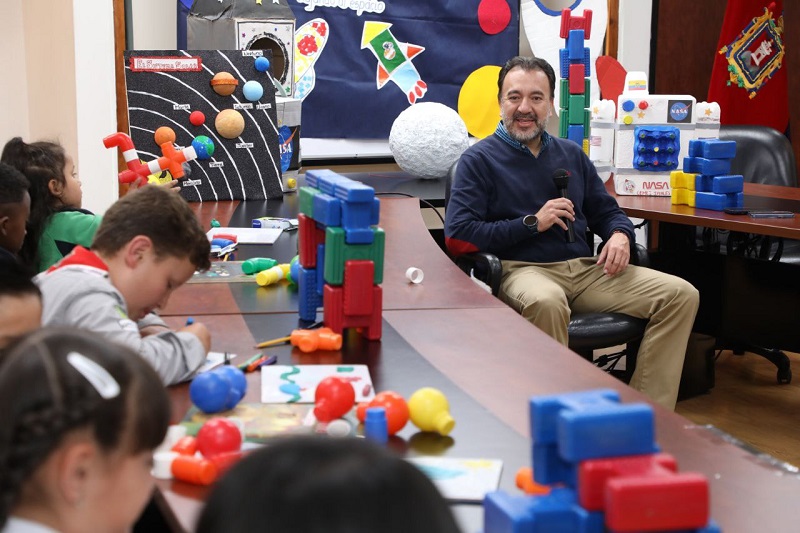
(491, 361)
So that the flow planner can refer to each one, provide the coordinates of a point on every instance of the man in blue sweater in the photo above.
(504, 201)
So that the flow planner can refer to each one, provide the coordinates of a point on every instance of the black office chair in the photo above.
(587, 331)
(763, 155)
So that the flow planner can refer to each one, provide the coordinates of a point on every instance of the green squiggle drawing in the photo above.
(291, 387)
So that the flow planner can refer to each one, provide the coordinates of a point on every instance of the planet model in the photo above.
(197, 118)
(164, 134)
(203, 146)
(229, 123)
(224, 84)
(262, 64)
(253, 91)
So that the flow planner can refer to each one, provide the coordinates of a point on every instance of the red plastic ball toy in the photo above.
(197, 118)
(396, 409)
(333, 398)
(218, 435)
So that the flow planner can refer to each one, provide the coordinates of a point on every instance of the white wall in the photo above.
(58, 58)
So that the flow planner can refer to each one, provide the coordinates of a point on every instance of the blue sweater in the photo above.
(498, 181)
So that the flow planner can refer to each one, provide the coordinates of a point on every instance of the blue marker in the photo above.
(190, 321)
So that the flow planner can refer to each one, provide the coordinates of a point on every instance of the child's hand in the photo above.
(138, 182)
(172, 185)
(201, 332)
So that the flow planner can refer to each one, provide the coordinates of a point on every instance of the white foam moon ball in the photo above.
(427, 138)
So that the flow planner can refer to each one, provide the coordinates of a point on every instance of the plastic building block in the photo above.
(575, 132)
(682, 180)
(334, 317)
(306, 196)
(709, 167)
(576, 108)
(358, 276)
(563, 57)
(327, 210)
(683, 197)
(338, 252)
(575, 46)
(712, 148)
(309, 236)
(550, 468)
(656, 148)
(573, 22)
(357, 218)
(727, 184)
(309, 299)
(718, 202)
(557, 511)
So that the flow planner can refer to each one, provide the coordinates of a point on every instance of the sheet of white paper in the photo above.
(248, 235)
(461, 480)
(213, 360)
(297, 383)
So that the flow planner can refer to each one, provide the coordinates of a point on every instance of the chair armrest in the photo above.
(484, 266)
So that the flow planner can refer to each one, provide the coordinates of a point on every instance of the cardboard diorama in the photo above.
(222, 104)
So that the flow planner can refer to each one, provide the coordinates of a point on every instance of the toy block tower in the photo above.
(341, 253)
(575, 95)
(607, 471)
(705, 181)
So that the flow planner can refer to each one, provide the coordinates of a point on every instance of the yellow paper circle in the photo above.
(477, 101)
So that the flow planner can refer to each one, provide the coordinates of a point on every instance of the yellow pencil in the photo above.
(273, 342)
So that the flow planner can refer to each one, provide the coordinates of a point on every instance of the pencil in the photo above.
(247, 363)
(273, 342)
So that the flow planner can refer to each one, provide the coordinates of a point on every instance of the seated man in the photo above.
(148, 244)
(504, 201)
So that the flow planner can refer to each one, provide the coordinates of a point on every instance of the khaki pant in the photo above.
(546, 293)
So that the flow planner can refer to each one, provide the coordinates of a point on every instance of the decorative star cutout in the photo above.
(641, 114)
(596, 110)
(708, 111)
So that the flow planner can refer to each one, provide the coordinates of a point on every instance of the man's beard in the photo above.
(526, 137)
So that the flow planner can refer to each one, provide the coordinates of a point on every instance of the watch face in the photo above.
(531, 221)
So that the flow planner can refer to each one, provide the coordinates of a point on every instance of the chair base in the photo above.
(774, 356)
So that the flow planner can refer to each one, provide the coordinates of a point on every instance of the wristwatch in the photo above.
(531, 222)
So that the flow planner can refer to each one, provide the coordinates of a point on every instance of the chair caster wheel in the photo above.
(784, 376)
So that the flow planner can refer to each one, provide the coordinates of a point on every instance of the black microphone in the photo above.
(561, 179)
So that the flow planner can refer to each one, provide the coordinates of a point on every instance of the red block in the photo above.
(335, 318)
(569, 22)
(308, 237)
(357, 285)
(577, 82)
(644, 493)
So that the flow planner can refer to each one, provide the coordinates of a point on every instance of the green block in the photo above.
(576, 109)
(563, 123)
(587, 121)
(307, 195)
(337, 251)
(587, 90)
(564, 90)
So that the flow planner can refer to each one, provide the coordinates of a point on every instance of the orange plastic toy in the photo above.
(311, 340)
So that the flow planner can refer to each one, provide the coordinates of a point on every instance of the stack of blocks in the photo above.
(341, 253)
(704, 181)
(607, 472)
(576, 68)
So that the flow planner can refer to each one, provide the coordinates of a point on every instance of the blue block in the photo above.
(718, 202)
(544, 410)
(709, 167)
(587, 62)
(563, 57)
(656, 148)
(575, 45)
(356, 218)
(712, 148)
(313, 176)
(320, 269)
(575, 133)
(549, 468)
(557, 512)
(703, 183)
(327, 210)
(608, 430)
(309, 299)
(353, 191)
(727, 184)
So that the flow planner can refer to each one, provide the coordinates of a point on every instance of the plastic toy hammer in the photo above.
(171, 159)
(311, 340)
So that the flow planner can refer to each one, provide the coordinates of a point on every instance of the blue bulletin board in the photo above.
(378, 57)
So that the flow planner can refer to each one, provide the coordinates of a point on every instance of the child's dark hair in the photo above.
(352, 486)
(45, 394)
(40, 162)
(13, 185)
(159, 214)
(15, 281)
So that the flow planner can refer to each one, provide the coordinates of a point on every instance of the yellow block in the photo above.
(683, 197)
(682, 180)
(586, 146)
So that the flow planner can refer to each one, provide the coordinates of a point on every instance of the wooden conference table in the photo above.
(449, 333)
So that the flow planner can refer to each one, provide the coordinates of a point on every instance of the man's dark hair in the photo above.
(15, 280)
(162, 216)
(527, 64)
